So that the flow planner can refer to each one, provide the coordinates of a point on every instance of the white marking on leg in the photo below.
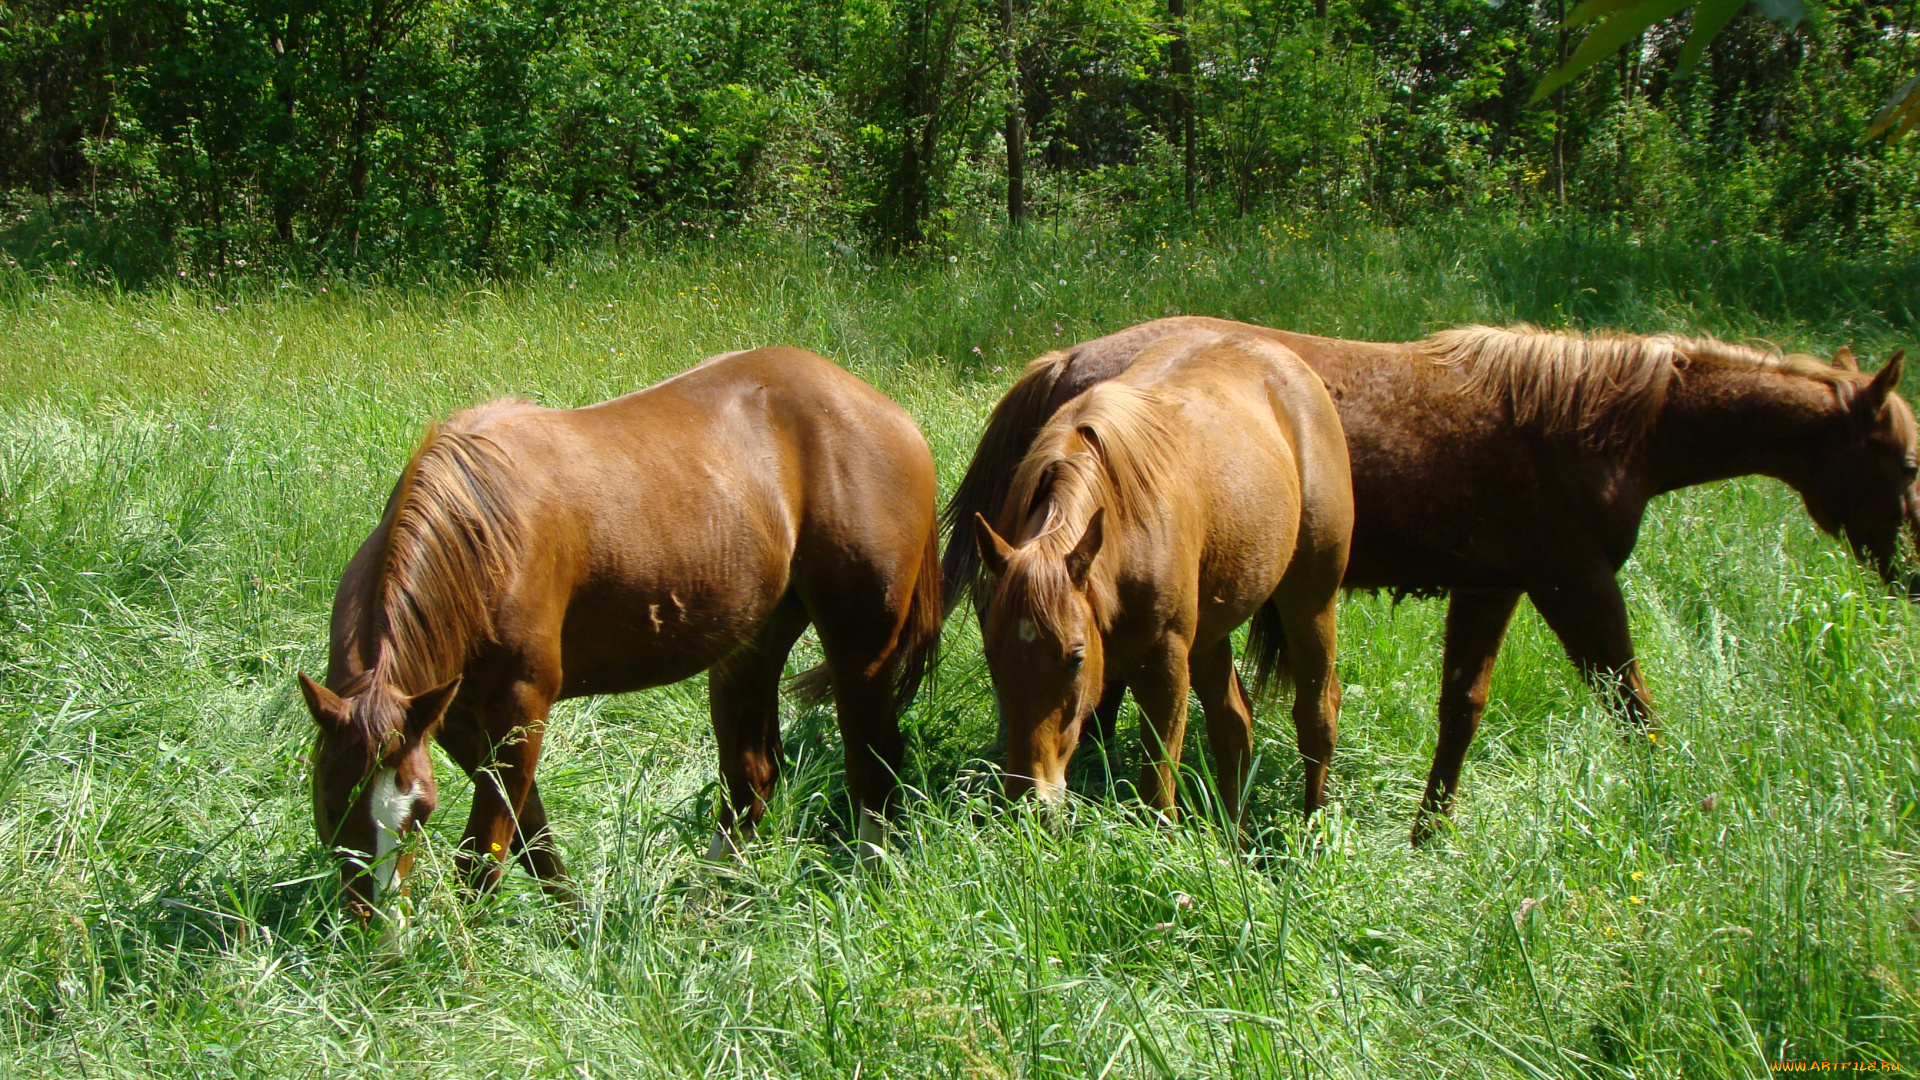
(392, 809)
(721, 849)
(872, 836)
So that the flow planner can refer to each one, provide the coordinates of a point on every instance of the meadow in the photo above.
(184, 471)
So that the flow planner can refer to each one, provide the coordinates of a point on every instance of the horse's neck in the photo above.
(361, 649)
(1724, 420)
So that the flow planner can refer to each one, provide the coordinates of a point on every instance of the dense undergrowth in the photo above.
(184, 471)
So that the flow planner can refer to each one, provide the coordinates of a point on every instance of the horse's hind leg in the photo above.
(860, 661)
(1312, 641)
(743, 697)
(1229, 724)
(1476, 623)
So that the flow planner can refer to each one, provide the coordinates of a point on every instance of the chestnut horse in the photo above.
(1489, 463)
(1205, 485)
(529, 555)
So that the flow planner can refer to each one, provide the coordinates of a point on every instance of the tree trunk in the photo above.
(287, 48)
(1560, 110)
(1181, 53)
(904, 229)
(365, 104)
(1016, 121)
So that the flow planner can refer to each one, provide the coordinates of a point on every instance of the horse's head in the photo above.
(1859, 482)
(372, 779)
(1042, 640)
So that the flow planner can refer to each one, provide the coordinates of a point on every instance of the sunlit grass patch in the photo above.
(180, 486)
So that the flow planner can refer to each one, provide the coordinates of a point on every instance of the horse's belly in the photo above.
(616, 640)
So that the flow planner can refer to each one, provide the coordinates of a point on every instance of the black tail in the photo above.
(1267, 649)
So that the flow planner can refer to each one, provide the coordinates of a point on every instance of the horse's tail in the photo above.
(1267, 649)
(915, 650)
(919, 646)
(1048, 383)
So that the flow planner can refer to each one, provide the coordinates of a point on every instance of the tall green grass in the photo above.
(184, 472)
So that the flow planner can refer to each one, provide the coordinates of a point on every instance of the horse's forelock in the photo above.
(1034, 587)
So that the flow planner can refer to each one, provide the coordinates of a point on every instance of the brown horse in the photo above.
(1489, 463)
(1205, 485)
(531, 554)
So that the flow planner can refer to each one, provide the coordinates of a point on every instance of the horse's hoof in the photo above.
(722, 848)
(1427, 826)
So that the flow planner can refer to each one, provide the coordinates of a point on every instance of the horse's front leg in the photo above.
(1476, 624)
(1589, 616)
(1159, 687)
(500, 753)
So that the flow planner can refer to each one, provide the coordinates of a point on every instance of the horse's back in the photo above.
(672, 520)
(1266, 442)
(1263, 379)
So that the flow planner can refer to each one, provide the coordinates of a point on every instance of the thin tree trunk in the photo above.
(905, 228)
(1016, 121)
(1560, 110)
(364, 104)
(287, 49)
(1181, 53)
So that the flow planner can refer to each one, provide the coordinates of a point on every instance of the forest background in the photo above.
(148, 138)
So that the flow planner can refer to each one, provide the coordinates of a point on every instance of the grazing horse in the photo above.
(1488, 463)
(529, 555)
(1205, 485)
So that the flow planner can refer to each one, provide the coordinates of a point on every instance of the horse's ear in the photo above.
(425, 709)
(1870, 401)
(1844, 359)
(1080, 559)
(993, 550)
(328, 710)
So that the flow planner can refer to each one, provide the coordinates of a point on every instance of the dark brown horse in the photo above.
(1489, 463)
(531, 554)
(1205, 485)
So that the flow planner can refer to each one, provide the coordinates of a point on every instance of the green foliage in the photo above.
(185, 470)
(143, 139)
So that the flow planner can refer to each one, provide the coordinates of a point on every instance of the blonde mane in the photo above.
(1108, 448)
(1606, 387)
(457, 534)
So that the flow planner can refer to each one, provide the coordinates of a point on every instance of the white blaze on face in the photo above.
(1028, 632)
(392, 809)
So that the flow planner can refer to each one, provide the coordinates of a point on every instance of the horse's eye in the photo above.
(1076, 658)
(1910, 469)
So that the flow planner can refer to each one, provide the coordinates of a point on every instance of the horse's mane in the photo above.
(1108, 448)
(456, 534)
(1606, 387)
